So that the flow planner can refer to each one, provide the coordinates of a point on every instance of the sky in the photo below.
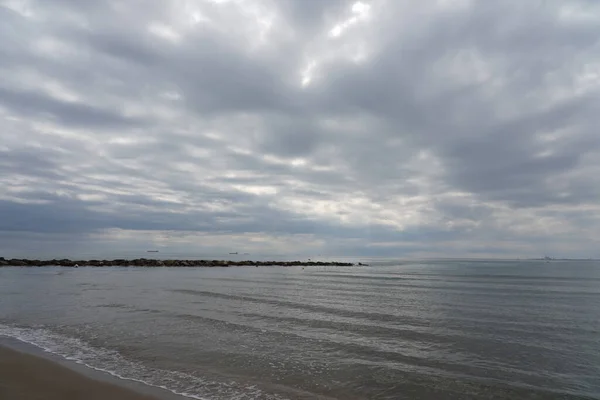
(392, 128)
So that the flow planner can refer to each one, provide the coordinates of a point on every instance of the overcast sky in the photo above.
(300, 127)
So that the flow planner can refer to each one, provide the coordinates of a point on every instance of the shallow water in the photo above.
(419, 330)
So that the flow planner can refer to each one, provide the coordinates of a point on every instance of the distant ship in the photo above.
(152, 251)
(234, 253)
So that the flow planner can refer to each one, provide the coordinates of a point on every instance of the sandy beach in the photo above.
(27, 377)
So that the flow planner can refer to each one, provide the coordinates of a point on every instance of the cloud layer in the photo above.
(389, 127)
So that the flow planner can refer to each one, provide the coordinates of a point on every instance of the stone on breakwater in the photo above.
(143, 262)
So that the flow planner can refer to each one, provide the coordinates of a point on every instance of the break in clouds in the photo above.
(300, 127)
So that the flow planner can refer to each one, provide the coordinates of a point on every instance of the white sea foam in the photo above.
(112, 363)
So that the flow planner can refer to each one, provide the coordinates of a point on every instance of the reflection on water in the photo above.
(430, 330)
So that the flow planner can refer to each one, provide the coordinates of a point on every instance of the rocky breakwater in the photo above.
(144, 262)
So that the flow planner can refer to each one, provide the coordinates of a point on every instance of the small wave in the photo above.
(112, 363)
(343, 312)
(116, 305)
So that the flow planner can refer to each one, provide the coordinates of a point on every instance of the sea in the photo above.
(428, 329)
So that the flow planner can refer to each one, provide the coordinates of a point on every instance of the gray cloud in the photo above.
(33, 105)
(291, 127)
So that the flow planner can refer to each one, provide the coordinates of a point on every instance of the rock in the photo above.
(143, 262)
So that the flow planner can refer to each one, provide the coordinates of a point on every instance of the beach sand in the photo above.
(27, 377)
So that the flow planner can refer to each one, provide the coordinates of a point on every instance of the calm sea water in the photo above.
(419, 330)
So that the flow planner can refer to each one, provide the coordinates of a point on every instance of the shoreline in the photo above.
(29, 373)
(145, 262)
(36, 369)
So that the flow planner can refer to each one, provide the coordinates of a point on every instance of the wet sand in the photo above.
(27, 377)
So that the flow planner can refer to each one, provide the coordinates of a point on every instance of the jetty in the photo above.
(144, 262)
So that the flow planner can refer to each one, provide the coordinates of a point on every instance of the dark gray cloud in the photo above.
(33, 105)
(368, 128)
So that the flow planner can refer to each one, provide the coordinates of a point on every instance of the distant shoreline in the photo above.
(144, 262)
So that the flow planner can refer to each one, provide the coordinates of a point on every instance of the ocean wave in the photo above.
(111, 362)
